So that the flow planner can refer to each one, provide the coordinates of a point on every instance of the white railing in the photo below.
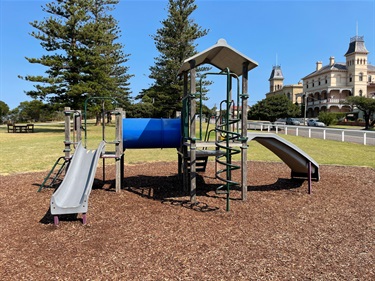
(343, 135)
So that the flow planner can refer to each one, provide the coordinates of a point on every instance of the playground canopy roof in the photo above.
(222, 56)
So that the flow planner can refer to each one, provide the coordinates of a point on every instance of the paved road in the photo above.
(346, 135)
(355, 136)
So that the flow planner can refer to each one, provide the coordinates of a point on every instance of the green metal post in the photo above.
(227, 137)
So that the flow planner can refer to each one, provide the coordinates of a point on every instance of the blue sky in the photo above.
(293, 34)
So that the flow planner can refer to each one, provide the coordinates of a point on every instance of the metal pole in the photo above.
(193, 179)
(309, 177)
(244, 98)
(227, 136)
(103, 122)
(78, 124)
(103, 170)
(304, 119)
(185, 132)
(119, 149)
(67, 133)
(103, 137)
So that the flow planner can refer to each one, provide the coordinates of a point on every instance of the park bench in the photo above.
(25, 128)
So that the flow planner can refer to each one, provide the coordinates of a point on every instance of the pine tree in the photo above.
(175, 43)
(83, 56)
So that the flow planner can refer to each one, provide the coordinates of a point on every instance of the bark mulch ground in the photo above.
(149, 231)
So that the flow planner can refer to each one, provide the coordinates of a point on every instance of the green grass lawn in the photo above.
(29, 152)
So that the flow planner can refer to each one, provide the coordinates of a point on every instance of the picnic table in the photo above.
(24, 128)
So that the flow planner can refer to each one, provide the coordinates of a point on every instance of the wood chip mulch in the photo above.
(149, 231)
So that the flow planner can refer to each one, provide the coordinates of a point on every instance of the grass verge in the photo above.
(38, 151)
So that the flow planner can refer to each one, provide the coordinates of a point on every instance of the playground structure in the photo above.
(230, 130)
(184, 134)
(76, 173)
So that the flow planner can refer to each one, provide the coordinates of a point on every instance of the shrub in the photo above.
(328, 118)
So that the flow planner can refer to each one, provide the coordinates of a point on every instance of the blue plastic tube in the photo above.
(151, 133)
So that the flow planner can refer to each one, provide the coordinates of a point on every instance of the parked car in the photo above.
(315, 123)
(292, 121)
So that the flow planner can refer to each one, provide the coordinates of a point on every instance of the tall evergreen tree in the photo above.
(175, 43)
(84, 58)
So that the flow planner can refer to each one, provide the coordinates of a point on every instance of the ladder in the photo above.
(56, 175)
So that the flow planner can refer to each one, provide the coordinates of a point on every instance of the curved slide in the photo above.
(72, 195)
(297, 160)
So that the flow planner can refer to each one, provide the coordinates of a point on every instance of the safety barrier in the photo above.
(344, 135)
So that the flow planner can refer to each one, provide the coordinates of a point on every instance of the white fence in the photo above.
(344, 135)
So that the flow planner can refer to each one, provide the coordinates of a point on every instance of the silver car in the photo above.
(292, 121)
(315, 123)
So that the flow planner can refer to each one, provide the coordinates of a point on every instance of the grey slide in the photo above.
(72, 195)
(297, 160)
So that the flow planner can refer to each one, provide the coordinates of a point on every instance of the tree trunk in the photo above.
(98, 119)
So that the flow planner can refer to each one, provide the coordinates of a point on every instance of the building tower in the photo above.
(276, 79)
(356, 64)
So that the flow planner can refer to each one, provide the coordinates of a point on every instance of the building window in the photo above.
(326, 79)
(369, 78)
(319, 81)
(350, 78)
(360, 93)
(360, 77)
(313, 83)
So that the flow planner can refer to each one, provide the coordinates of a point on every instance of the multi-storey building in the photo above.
(328, 86)
(293, 91)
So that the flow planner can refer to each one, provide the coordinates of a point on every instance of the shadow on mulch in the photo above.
(48, 218)
(280, 184)
(167, 190)
(198, 206)
(162, 187)
(53, 186)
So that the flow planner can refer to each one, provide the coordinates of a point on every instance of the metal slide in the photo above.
(72, 195)
(297, 160)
